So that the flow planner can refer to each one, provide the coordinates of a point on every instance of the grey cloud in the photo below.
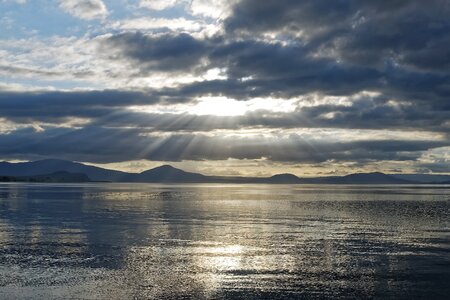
(165, 52)
(41, 73)
(291, 69)
(397, 48)
(435, 167)
(85, 9)
(12, 70)
(368, 32)
(96, 144)
(109, 109)
(364, 114)
(274, 69)
(53, 106)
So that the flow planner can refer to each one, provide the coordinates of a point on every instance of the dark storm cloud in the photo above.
(109, 109)
(256, 68)
(274, 68)
(414, 33)
(363, 114)
(54, 106)
(398, 48)
(377, 114)
(166, 52)
(290, 70)
(96, 144)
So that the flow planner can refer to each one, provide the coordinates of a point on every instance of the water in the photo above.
(122, 241)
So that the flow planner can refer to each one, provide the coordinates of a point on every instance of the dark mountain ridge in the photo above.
(169, 174)
(362, 178)
(48, 166)
(165, 173)
(60, 176)
(424, 178)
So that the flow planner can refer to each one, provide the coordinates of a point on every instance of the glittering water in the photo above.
(122, 241)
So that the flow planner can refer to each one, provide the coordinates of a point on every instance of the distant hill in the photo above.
(168, 173)
(48, 166)
(61, 176)
(283, 178)
(424, 178)
(363, 178)
(163, 173)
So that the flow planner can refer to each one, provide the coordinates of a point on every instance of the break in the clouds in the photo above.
(157, 4)
(347, 85)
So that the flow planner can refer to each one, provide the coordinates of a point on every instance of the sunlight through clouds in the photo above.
(190, 72)
(222, 106)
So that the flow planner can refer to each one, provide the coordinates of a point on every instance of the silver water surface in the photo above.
(121, 241)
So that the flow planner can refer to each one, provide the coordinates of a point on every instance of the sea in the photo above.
(206, 241)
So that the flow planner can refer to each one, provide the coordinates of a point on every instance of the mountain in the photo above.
(163, 173)
(361, 178)
(424, 178)
(48, 166)
(168, 173)
(283, 178)
(60, 176)
(370, 178)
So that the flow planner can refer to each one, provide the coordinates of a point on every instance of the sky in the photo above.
(237, 87)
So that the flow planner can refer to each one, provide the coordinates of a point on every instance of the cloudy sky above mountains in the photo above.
(245, 87)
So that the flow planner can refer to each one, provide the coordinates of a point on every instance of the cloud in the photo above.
(15, 71)
(289, 70)
(218, 9)
(410, 33)
(157, 4)
(111, 108)
(147, 23)
(97, 144)
(256, 68)
(165, 52)
(56, 106)
(373, 115)
(85, 9)
(436, 160)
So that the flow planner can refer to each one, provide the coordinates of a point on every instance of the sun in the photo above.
(219, 106)
(223, 106)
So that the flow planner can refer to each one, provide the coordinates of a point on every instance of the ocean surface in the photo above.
(148, 241)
